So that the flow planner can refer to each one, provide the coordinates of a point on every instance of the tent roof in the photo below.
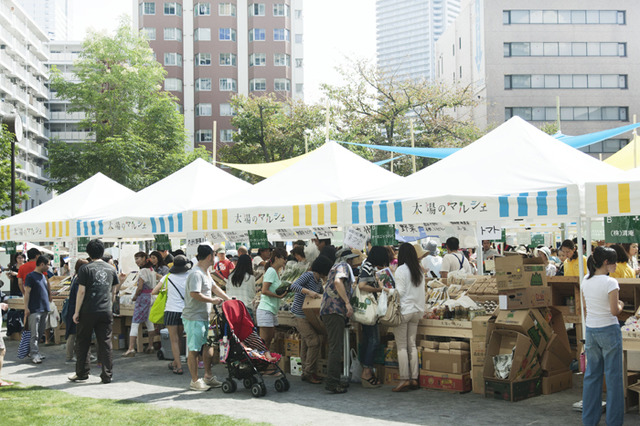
(327, 174)
(176, 193)
(94, 193)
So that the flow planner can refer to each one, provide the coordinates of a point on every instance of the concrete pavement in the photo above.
(146, 379)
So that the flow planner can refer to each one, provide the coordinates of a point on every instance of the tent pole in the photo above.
(635, 136)
(581, 273)
(588, 235)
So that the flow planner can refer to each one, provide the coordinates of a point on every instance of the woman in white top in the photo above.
(603, 345)
(241, 284)
(410, 287)
(175, 281)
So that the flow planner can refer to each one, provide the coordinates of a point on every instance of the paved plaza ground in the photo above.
(146, 379)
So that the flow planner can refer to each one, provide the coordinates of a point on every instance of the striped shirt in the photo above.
(308, 281)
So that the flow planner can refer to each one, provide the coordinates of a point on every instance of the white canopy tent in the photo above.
(309, 193)
(160, 208)
(615, 195)
(56, 218)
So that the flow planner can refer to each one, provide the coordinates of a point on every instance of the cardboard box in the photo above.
(514, 272)
(391, 376)
(445, 362)
(118, 342)
(530, 322)
(292, 345)
(295, 366)
(525, 298)
(478, 352)
(525, 360)
(391, 355)
(322, 367)
(444, 346)
(480, 326)
(557, 382)
(311, 309)
(512, 391)
(556, 358)
(284, 363)
(456, 344)
(429, 344)
(445, 381)
(477, 380)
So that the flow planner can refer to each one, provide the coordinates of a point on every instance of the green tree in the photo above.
(5, 174)
(139, 133)
(270, 130)
(377, 108)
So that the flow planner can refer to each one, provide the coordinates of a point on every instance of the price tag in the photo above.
(305, 234)
(287, 234)
(236, 236)
(323, 232)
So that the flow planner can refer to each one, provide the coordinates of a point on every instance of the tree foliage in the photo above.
(377, 108)
(5, 174)
(270, 130)
(139, 133)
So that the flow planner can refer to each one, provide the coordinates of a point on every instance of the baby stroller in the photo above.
(244, 356)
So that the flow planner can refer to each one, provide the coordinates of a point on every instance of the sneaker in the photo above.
(37, 359)
(74, 378)
(212, 382)
(199, 385)
(70, 361)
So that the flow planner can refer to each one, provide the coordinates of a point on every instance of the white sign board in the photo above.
(408, 230)
(305, 234)
(194, 239)
(356, 237)
(323, 232)
(489, 231)
(524, 238)
(287, 234)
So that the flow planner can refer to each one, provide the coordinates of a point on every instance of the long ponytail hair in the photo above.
(597, 259)
(407, 255)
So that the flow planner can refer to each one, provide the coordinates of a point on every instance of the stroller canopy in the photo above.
(238, 318)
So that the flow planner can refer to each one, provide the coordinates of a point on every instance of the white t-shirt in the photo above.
(175, 294)
(432, 264)
(246, 292)
(411, 297)
(451, 262)
(596, 293)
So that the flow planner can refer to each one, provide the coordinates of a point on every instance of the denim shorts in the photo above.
(196, 334)
(266, 318)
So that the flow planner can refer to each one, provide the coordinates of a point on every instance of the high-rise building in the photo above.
(52, 16)
(213, 50)
(63, 124)
(23, 73)
(406, 32)
(521, 58)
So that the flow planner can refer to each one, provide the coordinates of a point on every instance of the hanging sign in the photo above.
(258, 238)
(383, 235)
(356, 237)
(409, 230)
(287, 234)
(622, 229)
(305, 234)
(489, 231)
(323, 233)
(162, 242)
(236, 236)
(536, 240)
(9, 247)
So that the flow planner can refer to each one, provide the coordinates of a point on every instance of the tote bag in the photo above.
(156, 314)
(364, 306)
(393, 316)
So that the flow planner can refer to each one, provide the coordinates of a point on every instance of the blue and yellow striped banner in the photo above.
(5, 232)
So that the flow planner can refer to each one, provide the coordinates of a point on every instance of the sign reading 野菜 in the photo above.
(622, 229)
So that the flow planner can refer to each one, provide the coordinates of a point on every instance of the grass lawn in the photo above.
(35, 405)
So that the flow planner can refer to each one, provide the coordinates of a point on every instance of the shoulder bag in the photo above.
(365, 307)
(156, 314)
(393, 316)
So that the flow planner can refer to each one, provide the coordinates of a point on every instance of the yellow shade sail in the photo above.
(623, 159)
(265, 170)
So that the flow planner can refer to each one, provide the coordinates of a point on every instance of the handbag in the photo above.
(156, 314)
(393, 317)
(24, 347)
(356, 368)
(364, 306)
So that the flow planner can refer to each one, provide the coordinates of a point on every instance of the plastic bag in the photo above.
(383, 302)
(356, 368)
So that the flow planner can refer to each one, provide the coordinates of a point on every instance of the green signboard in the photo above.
(258, 239)
(536, 240)
(383, 235)
(9, 247)
(622, 229)
(82, 243)
(162, 242)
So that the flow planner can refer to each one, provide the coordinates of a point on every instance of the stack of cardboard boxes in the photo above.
(446, 366)
(529, 331)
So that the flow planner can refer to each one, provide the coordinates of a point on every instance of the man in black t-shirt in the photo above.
(97, 282)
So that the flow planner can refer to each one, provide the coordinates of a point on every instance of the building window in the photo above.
(227, 59)
(149, 33)
(203, 84)
(202, 34)
(227, 9)
(565, 49)
(280, 9)
(280, 34)
(147, 8)
(298, 38)
(173, 59)
(204, 135)
(281, 60)
(258, 85)
(569, 113)
(226, 110)
(203, 110)
(299, 88)
(298, 62)
(227, 34)
(226, 135)
(605, 17)
(202, 9)
(609, 145)
(281, 85)
(173, 84)
(173, 34)
(173, 8)
(228, 85)
(565, 81)
(298, 13)
(257, 34)
(256, 9)
(257, 60)
(203, 59)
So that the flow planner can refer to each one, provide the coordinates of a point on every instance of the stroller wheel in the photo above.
(247, 382)
(160, 355)
(256, 390)
(229, 386)
(282, 385)
(264, 389)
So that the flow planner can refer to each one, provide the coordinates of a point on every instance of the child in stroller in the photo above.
(245, 353)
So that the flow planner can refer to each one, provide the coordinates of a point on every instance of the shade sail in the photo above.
(265, 170)
(624, 158)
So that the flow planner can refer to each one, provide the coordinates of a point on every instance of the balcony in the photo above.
(67, 116)
(6, 109)
(72, 136)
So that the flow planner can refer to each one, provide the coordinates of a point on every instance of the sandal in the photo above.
(178, 371)
(128, 354)
(149, 350)
(371, 382)
(171, 367)
(5, 383)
